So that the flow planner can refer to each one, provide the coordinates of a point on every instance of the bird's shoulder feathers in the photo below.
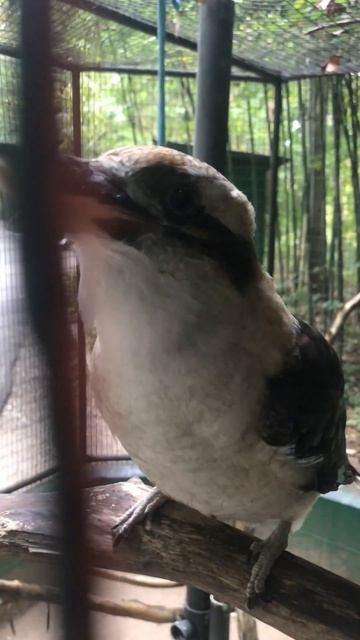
(304, 412)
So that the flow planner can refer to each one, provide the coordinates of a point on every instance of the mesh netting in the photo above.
(129, 110)
(287, 37)
(284, 38)
(25, 439)
(277, 36)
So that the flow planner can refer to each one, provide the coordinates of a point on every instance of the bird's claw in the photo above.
(254, 551)
(264, 554)
(139, 513)
(122, 528)
(255, 591)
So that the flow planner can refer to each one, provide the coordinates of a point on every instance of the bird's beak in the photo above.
(91, 203)
(89, 200)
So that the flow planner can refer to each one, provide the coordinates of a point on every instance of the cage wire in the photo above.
(317, 232)
(282, 38)
(128, 110)
(25, 442)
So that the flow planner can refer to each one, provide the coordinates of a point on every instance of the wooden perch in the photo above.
(14, 589)
(341, 318)
(182, 545)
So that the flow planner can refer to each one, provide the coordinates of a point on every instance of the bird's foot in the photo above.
(265, 553)
(139, 512)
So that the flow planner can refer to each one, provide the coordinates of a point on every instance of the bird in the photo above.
(226, 401)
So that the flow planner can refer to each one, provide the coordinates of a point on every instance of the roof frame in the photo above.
(91, 6)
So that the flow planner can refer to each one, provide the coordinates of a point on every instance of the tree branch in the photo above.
(141, 581)
(14, 589)
(341, 318)
(182, 545)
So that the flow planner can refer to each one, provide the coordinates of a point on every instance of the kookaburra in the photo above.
(226, 402)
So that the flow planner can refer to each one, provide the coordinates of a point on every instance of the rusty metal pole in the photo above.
(81, 344)
(40, 208)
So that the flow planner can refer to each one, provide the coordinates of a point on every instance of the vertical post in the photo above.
(317, 225)
(213, 81)
(194, 622)
(161, 32)
(82, 399)
(304, 249)
(274, 178)
(219, 627)
(211, 134)
(46, 296)
(76, 111)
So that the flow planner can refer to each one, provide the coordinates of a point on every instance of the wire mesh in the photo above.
(25, 441)
(83, 37)
(285, 38)
(119, 109)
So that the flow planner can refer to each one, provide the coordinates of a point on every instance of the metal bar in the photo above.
(92, 479)
(46, 296)
(332, 25)
(76, 111)
(68, 65)
(81, 345)
(100, 473)
(108, 458)
(10, 52)
(316, 72)
(146, 71)
(16, 52)
(37, 477)
(82, 378)
(115, 15)
(213, 82)
(274, 179)
(125, 69)
(194, 621)
(219, 620)
(211, 137)
(161, 37)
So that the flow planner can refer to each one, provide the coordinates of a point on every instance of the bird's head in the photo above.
(132, 192)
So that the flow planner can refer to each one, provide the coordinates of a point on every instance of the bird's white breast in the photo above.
(178, 371)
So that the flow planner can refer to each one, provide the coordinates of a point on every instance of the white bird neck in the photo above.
(158, 301)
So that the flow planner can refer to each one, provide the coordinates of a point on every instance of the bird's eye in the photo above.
(180, 199)
(180, 204)
(122, 198)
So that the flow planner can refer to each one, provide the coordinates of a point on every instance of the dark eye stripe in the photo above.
(235, 255)
(181, 205)
(180, 199)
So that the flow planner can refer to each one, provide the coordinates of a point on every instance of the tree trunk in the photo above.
(317, 225)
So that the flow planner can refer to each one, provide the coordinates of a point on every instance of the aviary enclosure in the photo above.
(293, 148)
(293, 115)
